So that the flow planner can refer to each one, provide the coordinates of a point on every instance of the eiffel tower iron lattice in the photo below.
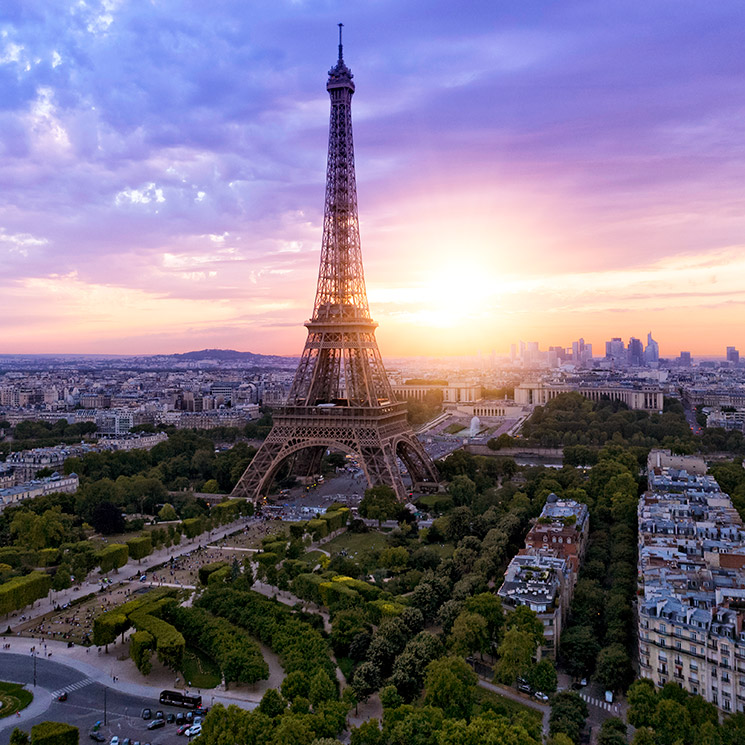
(341, 397)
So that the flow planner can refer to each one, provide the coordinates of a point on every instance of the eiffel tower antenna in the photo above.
(341, 398)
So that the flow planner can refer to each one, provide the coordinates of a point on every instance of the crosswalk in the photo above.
(72, 687)
(599, 703)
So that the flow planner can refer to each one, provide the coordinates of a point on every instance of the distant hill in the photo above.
(230, 355)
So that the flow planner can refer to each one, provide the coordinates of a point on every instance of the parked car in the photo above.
(182, 729)
(194, 730)
(157, 724)
(540, 696)
(524, 687)
(159, 714)
(147, 714)
(180, 719)
(170, 718)
(189, 716)
(97, 736)
(197, 720)
(114, 740)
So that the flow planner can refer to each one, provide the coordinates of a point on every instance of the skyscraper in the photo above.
(652, 351)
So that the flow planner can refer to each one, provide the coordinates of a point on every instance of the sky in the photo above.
(526, 170)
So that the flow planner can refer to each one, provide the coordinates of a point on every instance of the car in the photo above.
(170, 718)
(114, 740)
(194, 730)
(62, 696)
(540, 696)
(182, 729)
(180, 718)
(189, 716)
(524, 687)
(126, 741)
(159, 715)
(157, 724)
(97, 736)
(197, 720)
(147, 714)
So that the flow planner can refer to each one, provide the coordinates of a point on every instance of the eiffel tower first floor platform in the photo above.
(377, 436)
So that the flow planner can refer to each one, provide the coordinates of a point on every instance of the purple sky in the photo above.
(533, 170)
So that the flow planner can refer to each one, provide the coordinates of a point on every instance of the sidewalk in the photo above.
(131, 569)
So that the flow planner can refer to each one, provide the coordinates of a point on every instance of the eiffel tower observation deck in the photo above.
(341, 398)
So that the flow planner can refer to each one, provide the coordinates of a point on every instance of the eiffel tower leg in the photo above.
(421, 469)
(381, 468)
(308, 461)
(265, 463)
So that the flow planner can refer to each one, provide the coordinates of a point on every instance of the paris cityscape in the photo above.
(418, 421)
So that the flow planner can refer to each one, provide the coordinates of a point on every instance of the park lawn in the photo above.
(13, 698)
(312, 557)
(199, 670)
(454, 428)
(443, 550)
(490, 701)
(356, 543)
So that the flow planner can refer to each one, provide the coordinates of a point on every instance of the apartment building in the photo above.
(692, 579)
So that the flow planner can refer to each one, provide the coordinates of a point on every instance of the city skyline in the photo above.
(525, 172)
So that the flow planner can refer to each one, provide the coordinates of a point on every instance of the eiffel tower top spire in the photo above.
(341, 290)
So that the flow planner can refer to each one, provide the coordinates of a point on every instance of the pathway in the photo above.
(513, 695)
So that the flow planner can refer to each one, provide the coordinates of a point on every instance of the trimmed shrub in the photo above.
(220, 576)
(19, 592)
(207, 569)
(378, 610)
(140, 547)
(112, 557)
(54, 733)
(141, 645)
(192, 526)
(318, 528)
(48, 557)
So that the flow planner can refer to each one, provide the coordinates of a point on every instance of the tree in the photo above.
(542, 676)
(107, 518)
(642, 698)
(579, 650)
(272, 704)
(644, 736)
(368, 733)
(379, 503)
(525, 619)
(54, 733)
(614, 668)
(462, 490)
(489, 607)
(167, 512)
(322, 688)
(295, 684)
(515, 653)
(19, 737)
(450, 684)
(672, 723)
(568, 715)
(612, 732)
(390, 697)
(469, 634)
(366, 680)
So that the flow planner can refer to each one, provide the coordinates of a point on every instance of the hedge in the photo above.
(238, 656)
(378, 610)
(308, 587)
(337, 596)
(169, 642)
(230, 510)
(207, 569)
(298, 645)
(220, 576)
(54, 733)
(19, 592)
(48, 557)
(141, 645)
(108, 626)
(140, 547)
(368, 591)
(112, 557)
(318, 528)
(335, 519)
(276, 547)
(192, 526)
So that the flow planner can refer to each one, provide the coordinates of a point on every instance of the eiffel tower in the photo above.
(341, 398)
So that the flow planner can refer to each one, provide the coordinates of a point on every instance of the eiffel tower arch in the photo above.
(341, 398)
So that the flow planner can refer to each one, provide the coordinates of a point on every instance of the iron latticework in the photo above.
(340, 397)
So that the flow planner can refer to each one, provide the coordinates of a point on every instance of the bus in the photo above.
(176, 698)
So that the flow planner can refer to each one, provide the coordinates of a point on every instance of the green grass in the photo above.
(199, 670)
(13, 698)
(312, 558)
(454, 428)
(356, 543)
(488, 700)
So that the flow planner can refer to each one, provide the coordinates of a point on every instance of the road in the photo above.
(84, 705)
